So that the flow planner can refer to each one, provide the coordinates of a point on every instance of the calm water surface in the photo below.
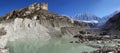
(51, 46)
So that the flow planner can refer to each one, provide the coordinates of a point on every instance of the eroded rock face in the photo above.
(26, 28)
(52, 21)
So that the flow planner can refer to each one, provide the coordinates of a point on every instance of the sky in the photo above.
(99, 8)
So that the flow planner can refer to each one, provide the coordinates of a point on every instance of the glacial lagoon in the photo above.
(51, 46)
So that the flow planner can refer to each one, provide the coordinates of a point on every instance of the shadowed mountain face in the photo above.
(113, 24)
(106, 18)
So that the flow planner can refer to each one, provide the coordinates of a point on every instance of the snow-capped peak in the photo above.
(91, 21)
(87, 17)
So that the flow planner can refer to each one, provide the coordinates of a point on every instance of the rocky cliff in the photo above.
(35, 23)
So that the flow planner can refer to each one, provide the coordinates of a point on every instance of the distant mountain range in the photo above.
(88, 18)
(92, 20)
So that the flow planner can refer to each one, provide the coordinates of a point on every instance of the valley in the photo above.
(35, 29)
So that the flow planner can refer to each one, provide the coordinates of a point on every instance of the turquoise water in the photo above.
(51, 46)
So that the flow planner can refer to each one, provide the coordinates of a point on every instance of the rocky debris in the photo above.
(105, 49)
(94, 46)
(86, 38)
(96, 31)
(70, 30)
(84, 52)
(108, 49)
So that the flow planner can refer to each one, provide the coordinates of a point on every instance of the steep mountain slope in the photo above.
(106, 18)
(113, 25)
(36, 23)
